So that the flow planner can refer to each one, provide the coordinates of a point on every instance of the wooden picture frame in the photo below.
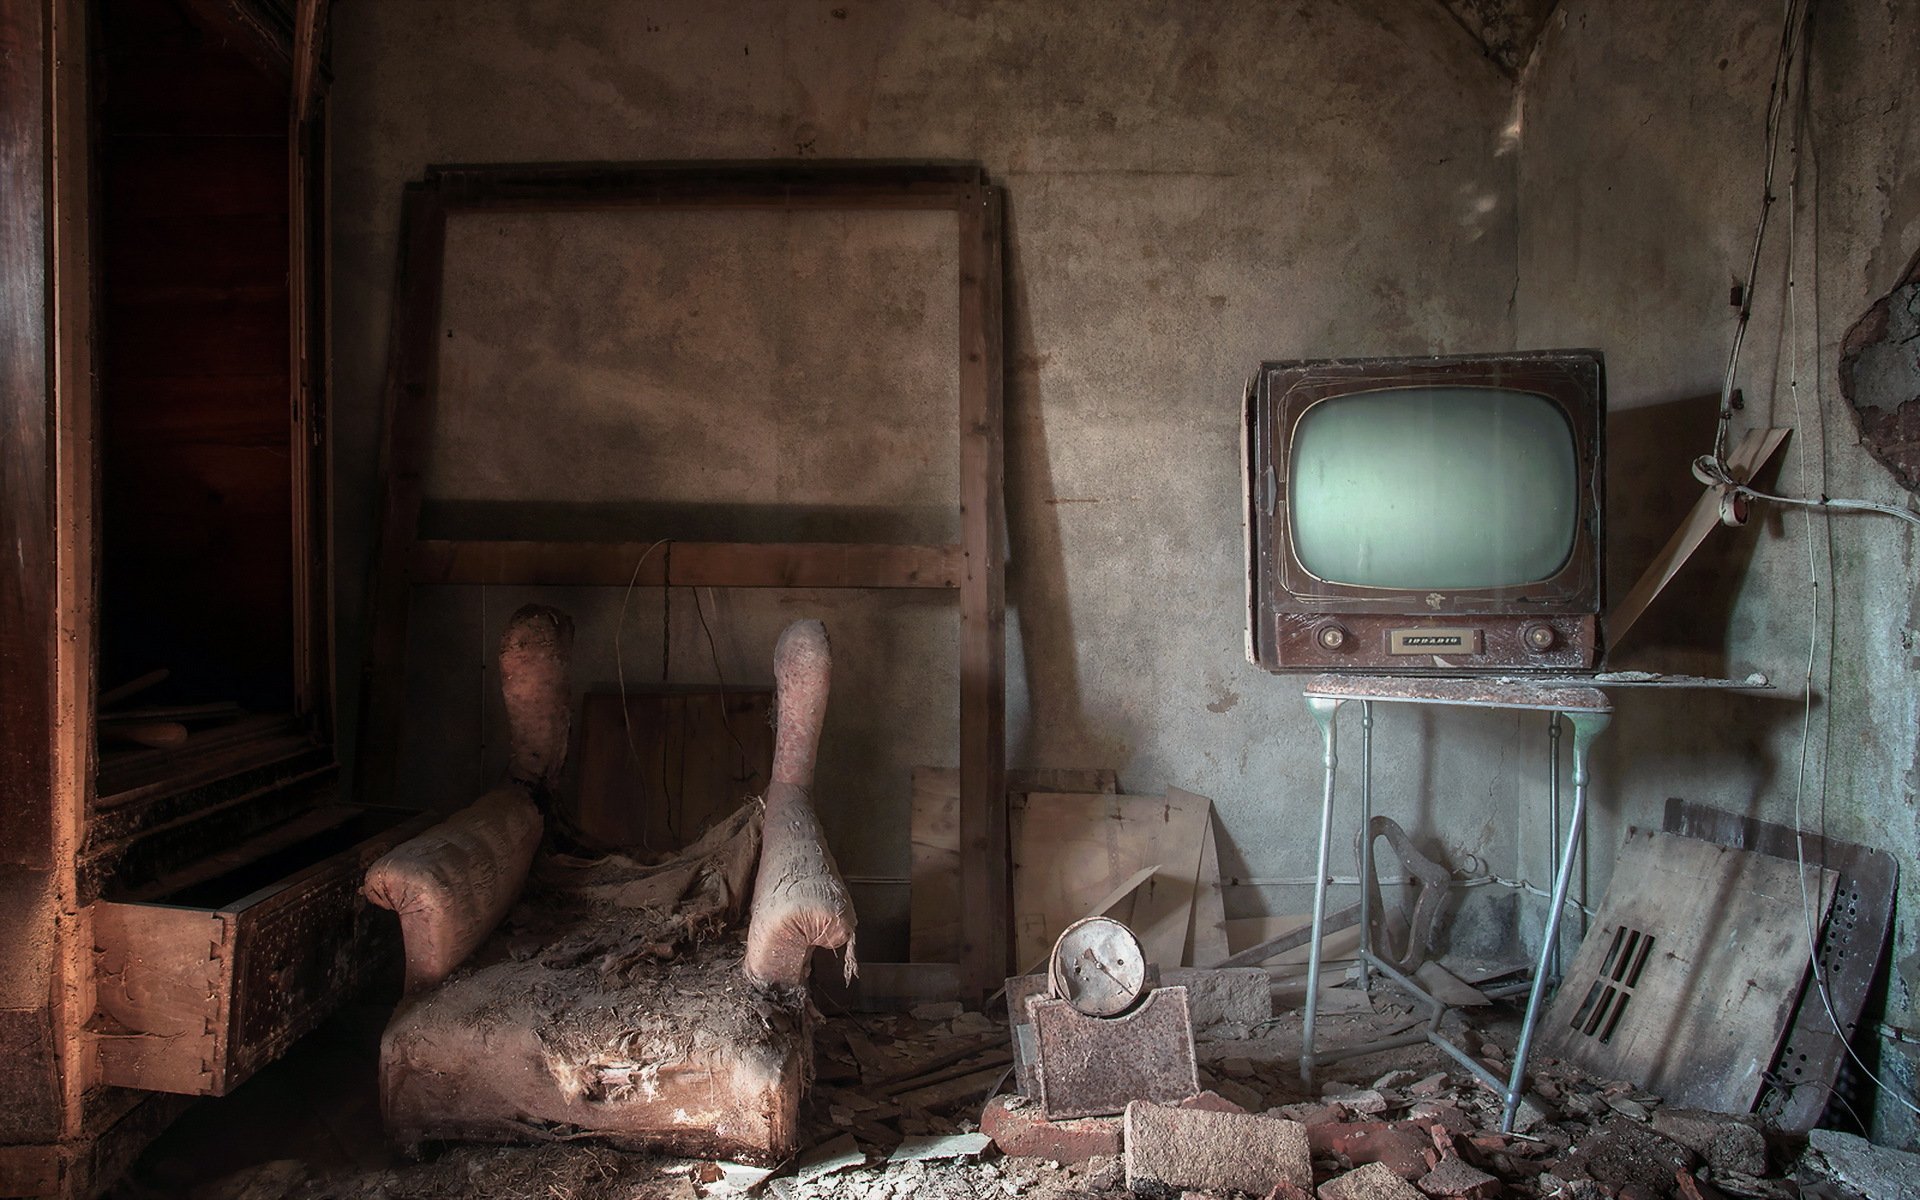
(974, 567)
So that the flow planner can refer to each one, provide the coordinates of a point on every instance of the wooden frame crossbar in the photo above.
(974, 566)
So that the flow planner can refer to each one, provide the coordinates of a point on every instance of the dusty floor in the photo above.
(309, 1126)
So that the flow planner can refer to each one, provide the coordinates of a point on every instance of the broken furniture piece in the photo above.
(1807, 1069)
(1586, 708)
(617, 1001)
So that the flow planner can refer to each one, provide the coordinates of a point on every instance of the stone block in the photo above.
(1225, 1002)
(1020, 1130)
(1172, 1149)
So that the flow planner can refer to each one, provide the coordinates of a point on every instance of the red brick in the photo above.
(1404, 1147)
(1212, 1102)
(1024, 1132)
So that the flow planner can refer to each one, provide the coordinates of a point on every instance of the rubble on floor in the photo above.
(900, 1108)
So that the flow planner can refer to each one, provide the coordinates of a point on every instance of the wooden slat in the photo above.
(412, 367)
(985, 893)
(1749, 456)
(562, 186)
(691, 564)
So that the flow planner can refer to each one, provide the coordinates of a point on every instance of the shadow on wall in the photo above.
(1058, 730)
(1650, 490)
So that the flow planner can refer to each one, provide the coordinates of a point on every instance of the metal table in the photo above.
(1586, 708)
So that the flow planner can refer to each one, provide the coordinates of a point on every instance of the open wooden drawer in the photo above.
(204, 982)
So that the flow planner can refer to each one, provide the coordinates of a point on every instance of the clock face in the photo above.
(1098, 967)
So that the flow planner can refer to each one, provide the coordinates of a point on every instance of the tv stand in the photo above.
(1587, 708)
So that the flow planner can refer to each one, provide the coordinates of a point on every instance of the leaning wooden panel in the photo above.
(412, 368)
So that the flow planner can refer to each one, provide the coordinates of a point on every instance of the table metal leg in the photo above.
(1366, 844)
(1553, 819)
(1324, 712)
(1586, 727)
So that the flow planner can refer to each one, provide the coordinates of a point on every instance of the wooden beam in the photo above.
(985, 892)
(687, 564)
(551, 187)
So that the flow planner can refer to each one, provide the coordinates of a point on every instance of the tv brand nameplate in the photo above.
(1435, 641)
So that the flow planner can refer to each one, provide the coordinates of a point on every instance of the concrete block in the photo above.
(1021, 1130)
(1371, 1182)
(1224, 1002)
(1171, 1149)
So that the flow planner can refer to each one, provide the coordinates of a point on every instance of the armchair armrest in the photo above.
(451, 884)
(799, 899)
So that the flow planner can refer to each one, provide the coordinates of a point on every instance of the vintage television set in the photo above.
(1432, 516)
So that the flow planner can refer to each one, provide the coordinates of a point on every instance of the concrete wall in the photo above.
(1639, 184)
(1191, 189)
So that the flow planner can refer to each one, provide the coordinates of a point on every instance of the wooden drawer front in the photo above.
(161, 983)
(297, 961)
(195, 1000)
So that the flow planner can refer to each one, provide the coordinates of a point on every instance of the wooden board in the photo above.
(1207, 933)
(681, 770)
(934, 917)
(1853, 942)
(1068, 850)
(1696, 1015)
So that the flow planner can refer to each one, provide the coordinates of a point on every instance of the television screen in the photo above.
(1434, 488)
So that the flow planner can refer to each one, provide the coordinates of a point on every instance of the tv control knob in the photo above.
(1539, 637)
(1332, 637)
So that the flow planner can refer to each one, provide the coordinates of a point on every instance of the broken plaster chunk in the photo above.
(1866, 1168)
(931, 1149)
(1375, 1181)
(1171, 1149)
(1731, 1145)
(1457, 1180)
(828, 1158)
(1365, 1101)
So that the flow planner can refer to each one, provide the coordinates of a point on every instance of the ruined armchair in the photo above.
(555, 997)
